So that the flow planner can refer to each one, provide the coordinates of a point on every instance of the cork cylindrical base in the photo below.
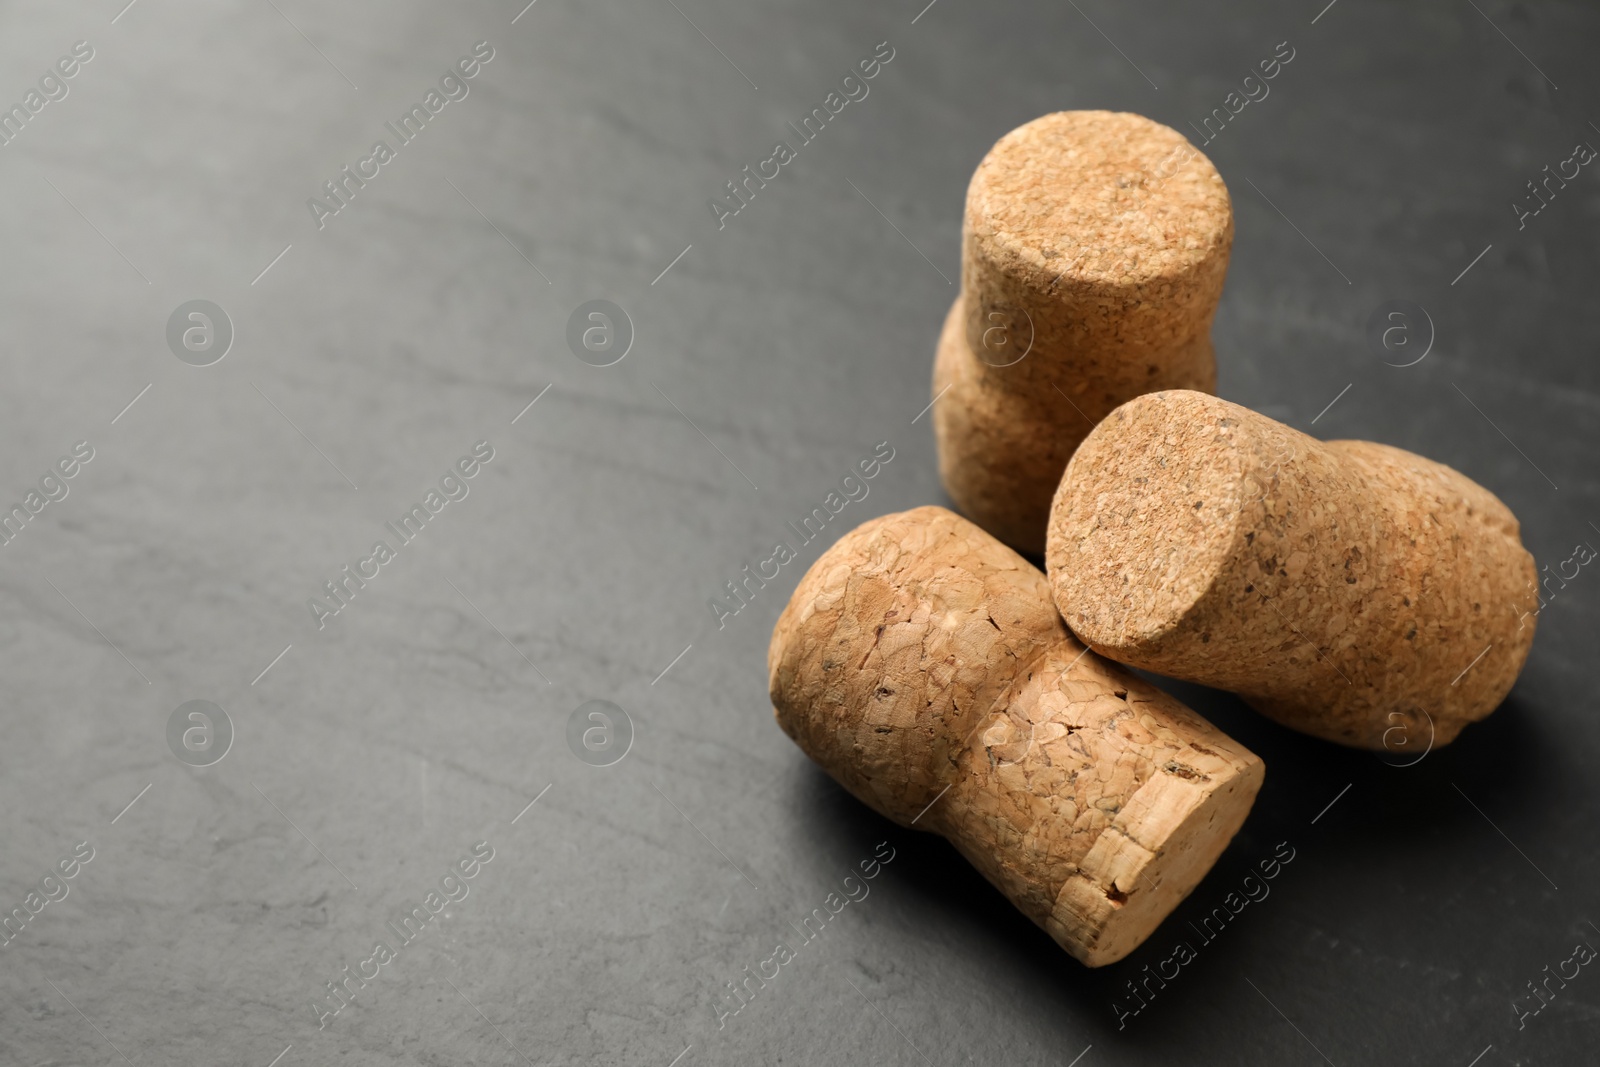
(922, 665)
(1094, 249)
(1347, 589)
(1001, 454)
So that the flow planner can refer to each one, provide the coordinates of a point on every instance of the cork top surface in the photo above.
(1107, 197)
(1146, 516)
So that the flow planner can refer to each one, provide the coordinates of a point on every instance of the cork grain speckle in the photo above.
(1344, 588)
(1115, 199)
(923, 665)
(1094, 249)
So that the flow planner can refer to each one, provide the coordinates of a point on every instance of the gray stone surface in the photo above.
(775, 352)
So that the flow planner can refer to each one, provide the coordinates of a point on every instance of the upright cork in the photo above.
(1347, 589)
(922, 665)
(1093, 253)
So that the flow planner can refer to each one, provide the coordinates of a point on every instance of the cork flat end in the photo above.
(1152, 857)
(1110, 199)
(1145, 518)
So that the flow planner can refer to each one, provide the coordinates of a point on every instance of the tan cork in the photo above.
(1351, 590)
(1094, 248)
(922, 664)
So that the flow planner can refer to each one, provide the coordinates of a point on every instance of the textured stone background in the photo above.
(376, 751)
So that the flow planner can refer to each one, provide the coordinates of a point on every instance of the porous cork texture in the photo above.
(1094, 247)
(1351, 590)
(922, 664)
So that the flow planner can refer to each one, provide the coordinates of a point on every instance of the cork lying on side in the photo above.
(922, 664)
(1094, 247)
(1351, 590)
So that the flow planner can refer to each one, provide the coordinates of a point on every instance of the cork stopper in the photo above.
(1347, 589)
(1094, 249)
(922, 665)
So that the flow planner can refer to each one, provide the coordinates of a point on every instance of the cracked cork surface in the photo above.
(1094, 249)
(1347, 589)
(922, 664)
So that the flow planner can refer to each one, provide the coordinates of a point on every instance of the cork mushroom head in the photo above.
(921, 663)
(942, 617)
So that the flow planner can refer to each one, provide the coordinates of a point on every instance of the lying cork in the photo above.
(1093, 253)
(922, 664)
(1347, 589)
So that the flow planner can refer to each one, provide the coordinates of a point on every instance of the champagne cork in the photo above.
(922, 664)
(1093, 253)
(1351, 590)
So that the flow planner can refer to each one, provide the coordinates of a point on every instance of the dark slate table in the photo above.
(365, 755)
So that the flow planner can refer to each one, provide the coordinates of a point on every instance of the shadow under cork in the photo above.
(950, 903)
(1395, 823)
(1504, 755)
(1377, 837)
